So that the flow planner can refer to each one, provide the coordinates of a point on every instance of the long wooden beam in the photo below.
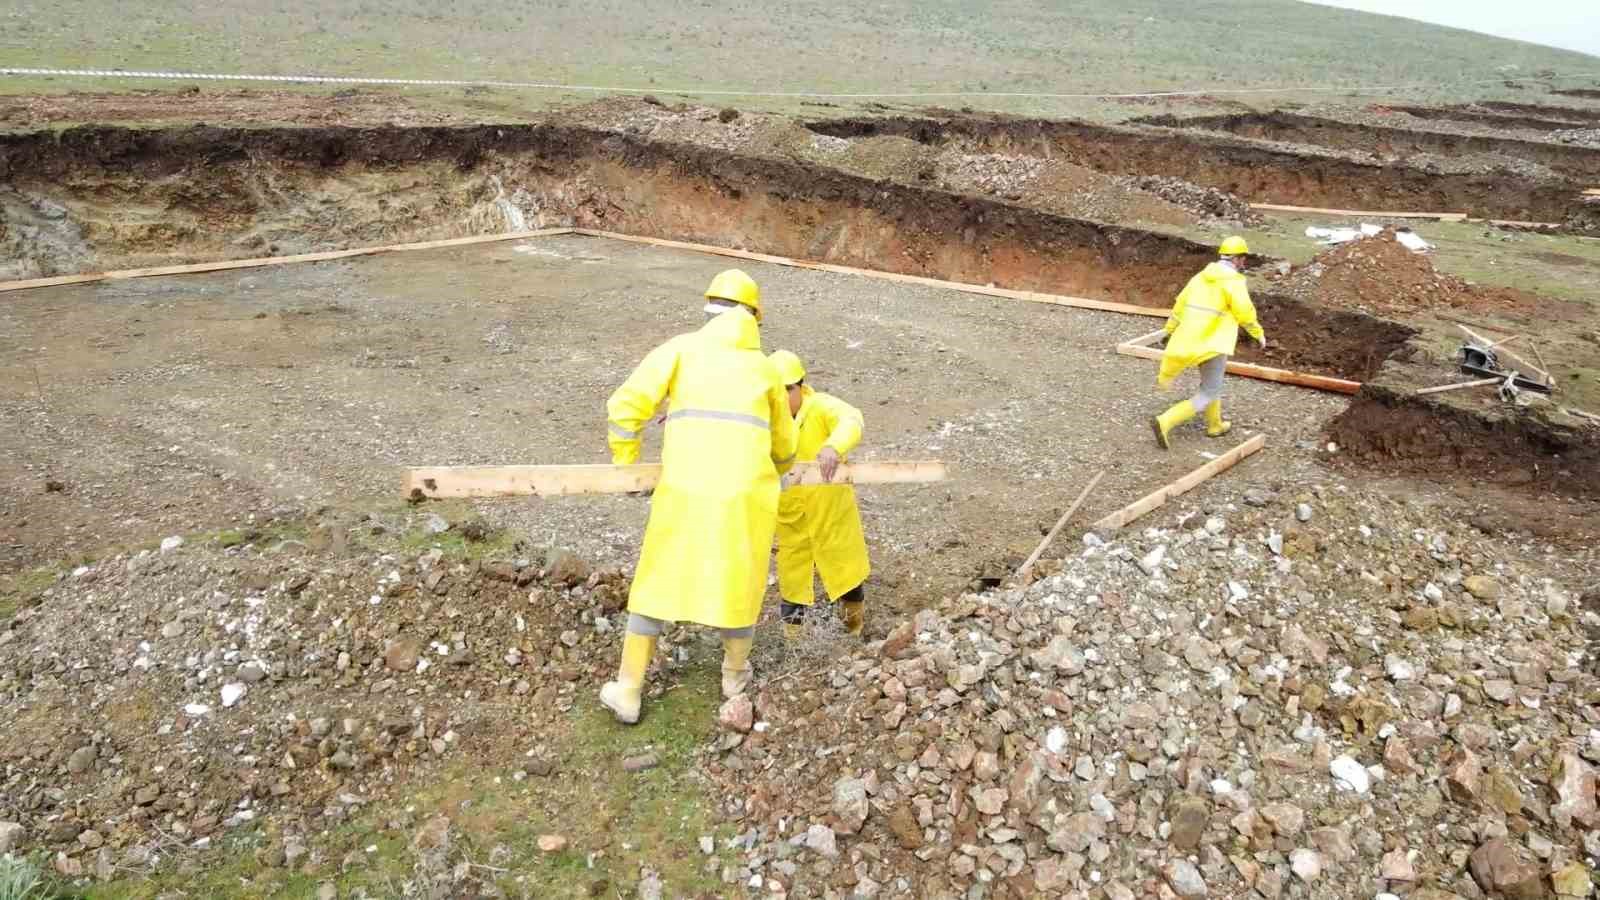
(257, 262)
(983, 289)
(1027, 566)
(1357, 213)
(1457, 386)
(1183, 485)
(440, 482)
(1139, 347)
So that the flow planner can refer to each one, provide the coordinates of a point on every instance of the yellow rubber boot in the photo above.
(854, 613)
(791, 631)
(1172, 418)
(735, 666)
(1215, 427)
(622, 696)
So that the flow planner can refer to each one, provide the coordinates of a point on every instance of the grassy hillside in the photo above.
(993, 46)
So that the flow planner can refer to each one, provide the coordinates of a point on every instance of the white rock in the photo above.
(1275, 543)
(1433, 593)
(1215, 525)
(1399, 669)
(1237, 592)
(1055, 740)
(171, 543)
(1150, 564)
(1350, 774)
(1302, 512)
(232, 693)
(1307, 864)
(708, 844)
(196, 709)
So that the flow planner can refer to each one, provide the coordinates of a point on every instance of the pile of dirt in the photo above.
(1380, 276)
(1329, 694)
(168, 699)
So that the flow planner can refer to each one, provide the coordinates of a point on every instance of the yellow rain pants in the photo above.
(729, 436)
(819, 526)
(1206, 319)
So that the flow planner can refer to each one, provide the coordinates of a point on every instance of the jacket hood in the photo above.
(734, 328)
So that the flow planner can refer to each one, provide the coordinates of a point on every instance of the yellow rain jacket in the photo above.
(728, 437)
(1206, 319)
(819, 525)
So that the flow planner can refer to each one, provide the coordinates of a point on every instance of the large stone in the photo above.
(1184, 879)
(1189, 820)
(402, 655)
(567, 569)
(11, 835)
(1396, 866)
(1286, 818)
(1060, 654)
(82, 759)
(1501, 791)
(1572, 880)
(903, 824)
(1500, 866)
(1463, 777)
(850, 806)
(1481, 586)
(1307, 864)
(738, 714)
(1574, 784)
(1334, 842)
(820, 839)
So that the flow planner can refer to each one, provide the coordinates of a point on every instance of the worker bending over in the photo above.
(819, 526)
(1203, 331)
(729, 435)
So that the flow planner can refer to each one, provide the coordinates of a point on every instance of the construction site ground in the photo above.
(237, 663)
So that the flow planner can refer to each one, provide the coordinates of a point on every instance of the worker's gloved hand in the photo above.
(828, 461)
(1262, 341)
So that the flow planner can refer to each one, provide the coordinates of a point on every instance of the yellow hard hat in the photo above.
(1233, 246)
(789, 367)
(735, 285)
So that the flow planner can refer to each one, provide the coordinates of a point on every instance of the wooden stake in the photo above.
(1250, 370)
(1439, 389)
(1027, 567)
(222, 265)
(439, 482)
(985, 290)
(1183, 485)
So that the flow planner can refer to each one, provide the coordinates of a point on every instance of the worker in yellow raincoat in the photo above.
(729, 436)
(819, 526)
(1203, 331)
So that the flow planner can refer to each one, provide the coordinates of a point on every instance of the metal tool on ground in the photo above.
(440, 482)
(1033, 558)
(1481, 356)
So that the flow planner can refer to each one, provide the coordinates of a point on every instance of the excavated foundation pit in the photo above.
(1579, 163)
(1257, 172)
(1535, 109)
(106, 197)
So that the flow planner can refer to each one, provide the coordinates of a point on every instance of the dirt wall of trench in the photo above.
(1576, 162)
(100, 197)
(1257, 173)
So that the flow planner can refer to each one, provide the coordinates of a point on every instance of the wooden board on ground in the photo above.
(441, 482)
(985, 290)
(1183, 485)
(1141, 348)
(1361, 214)
(1457, 386)
(257, 262)
(1027, 566)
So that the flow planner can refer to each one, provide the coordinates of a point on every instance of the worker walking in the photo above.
(729, 435)
(819, 526)
(1203, 331)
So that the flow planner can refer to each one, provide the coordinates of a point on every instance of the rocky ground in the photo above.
(1306, 692)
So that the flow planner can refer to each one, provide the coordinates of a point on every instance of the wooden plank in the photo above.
(1262, 373)
(257, 262)
(1144, 340)
(1523, 364)
(1183, 485)
(1027, 566)
(1439, 389)
(438, 482)
(1356, 213)
(984, 290)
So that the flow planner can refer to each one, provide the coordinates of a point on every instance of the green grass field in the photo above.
(937, 45)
